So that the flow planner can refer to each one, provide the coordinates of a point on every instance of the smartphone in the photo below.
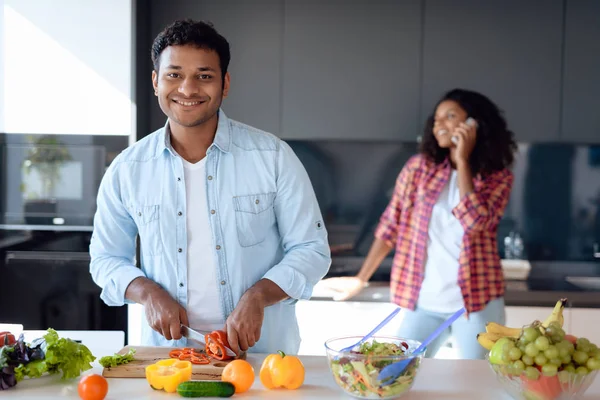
(471, 122)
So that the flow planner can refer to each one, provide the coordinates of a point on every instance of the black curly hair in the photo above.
(200, 34)
(495, 145)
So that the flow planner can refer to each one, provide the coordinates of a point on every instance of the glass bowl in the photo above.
(563, 386)
(356, 373)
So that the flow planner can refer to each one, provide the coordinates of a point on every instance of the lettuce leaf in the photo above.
(62, 355)
(117, 359)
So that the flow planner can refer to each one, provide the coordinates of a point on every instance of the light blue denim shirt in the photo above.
(264, 219)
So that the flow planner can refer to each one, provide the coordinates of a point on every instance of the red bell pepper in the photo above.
(216, 342)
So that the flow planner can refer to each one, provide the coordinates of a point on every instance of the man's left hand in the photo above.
(245, 322)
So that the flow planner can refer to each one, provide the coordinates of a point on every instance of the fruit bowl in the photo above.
(565, 385)
(356, 371)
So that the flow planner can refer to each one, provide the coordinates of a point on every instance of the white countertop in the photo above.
(437, 380)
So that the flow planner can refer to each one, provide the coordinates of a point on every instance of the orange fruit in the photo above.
(92, 387)
(240, 374)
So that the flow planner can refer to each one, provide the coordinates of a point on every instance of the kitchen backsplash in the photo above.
(554, 205)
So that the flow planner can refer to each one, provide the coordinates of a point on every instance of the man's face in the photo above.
(189, 84)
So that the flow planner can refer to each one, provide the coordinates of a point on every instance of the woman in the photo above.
(442, 222)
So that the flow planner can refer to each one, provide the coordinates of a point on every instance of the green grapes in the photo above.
(546, 351)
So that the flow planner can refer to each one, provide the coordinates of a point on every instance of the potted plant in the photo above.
(42, 168)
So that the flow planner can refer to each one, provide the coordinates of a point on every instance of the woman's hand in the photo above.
(344, 287)
(465, 135)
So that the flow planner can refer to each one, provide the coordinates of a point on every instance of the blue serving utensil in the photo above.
(391, 372)
(374, 331)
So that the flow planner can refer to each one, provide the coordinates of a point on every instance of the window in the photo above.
(66, 67)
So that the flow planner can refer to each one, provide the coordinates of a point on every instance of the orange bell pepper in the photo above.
(282, 371)
(168, 374)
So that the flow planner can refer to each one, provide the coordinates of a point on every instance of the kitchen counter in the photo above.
(437, 379)
(531, 292)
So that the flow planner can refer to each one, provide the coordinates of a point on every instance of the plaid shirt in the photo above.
(404, 226)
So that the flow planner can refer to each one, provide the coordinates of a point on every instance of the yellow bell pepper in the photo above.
(282, 371)
(168, 374)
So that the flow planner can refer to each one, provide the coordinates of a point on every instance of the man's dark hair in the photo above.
(192, 33)
(494, 145)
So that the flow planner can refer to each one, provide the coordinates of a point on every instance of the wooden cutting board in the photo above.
(147, 355)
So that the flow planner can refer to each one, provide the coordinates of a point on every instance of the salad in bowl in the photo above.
(356, 371)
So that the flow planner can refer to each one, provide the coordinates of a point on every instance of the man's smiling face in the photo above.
(189, 84)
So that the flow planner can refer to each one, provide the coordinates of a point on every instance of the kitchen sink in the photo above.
(585, 282)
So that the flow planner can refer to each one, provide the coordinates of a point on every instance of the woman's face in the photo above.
(448, 115)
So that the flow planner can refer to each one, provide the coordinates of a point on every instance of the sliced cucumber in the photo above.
(205, 389)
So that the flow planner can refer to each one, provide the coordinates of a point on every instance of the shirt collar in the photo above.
(222, 138)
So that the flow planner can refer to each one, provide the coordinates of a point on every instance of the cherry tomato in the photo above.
(92, 387)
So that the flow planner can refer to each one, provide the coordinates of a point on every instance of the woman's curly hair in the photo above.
(494, 147)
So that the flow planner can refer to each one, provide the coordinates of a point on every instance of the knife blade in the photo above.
(196, 336)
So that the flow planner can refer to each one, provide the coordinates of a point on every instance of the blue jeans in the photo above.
(419, 324)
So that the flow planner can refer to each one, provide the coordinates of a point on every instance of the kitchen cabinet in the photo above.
(509, 50)
(254, 31)
(351, 69)
(580, 116)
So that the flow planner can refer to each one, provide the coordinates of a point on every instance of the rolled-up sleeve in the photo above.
(387, 228)
(482, 209)
(112, 247)
(307, 256)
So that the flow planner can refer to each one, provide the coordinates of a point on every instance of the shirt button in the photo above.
(222, 282)
(257, 201)
(212, 211)
(140, 214)
(181, 284)
(218, 247)
(210, 177)
(178, 179)
(180, 249)
(180, 213)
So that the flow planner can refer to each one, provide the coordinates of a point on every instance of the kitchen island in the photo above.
(437, 380)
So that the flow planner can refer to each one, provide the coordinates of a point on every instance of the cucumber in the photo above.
(205, 389)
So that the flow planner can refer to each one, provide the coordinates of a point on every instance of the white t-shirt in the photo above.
(440, 291)
(204, 306)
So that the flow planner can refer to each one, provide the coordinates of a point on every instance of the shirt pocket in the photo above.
(254, 215)
(147, 219)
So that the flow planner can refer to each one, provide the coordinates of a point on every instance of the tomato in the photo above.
(239, 373)
(92, 387)
(7, 339)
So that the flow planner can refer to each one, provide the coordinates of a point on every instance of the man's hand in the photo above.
(244, 324)
(163, 313)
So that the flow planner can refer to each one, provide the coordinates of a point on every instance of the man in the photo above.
(230, 230)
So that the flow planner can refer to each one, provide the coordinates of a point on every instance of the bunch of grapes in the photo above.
(548, 352)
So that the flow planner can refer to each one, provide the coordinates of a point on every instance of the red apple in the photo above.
(571, 338)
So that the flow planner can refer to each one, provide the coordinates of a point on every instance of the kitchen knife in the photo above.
(196, 336)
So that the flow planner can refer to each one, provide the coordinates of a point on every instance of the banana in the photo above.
(487, 340)
(493, 327)
(557, 314)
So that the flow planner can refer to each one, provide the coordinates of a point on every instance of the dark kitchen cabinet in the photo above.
(581, 86)
(47, 283)
(351, 69)
(509, 50)
(254, 31)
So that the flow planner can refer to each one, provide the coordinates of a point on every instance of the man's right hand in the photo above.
(164, 314)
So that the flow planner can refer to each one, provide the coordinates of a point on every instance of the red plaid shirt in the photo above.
(404, 226)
